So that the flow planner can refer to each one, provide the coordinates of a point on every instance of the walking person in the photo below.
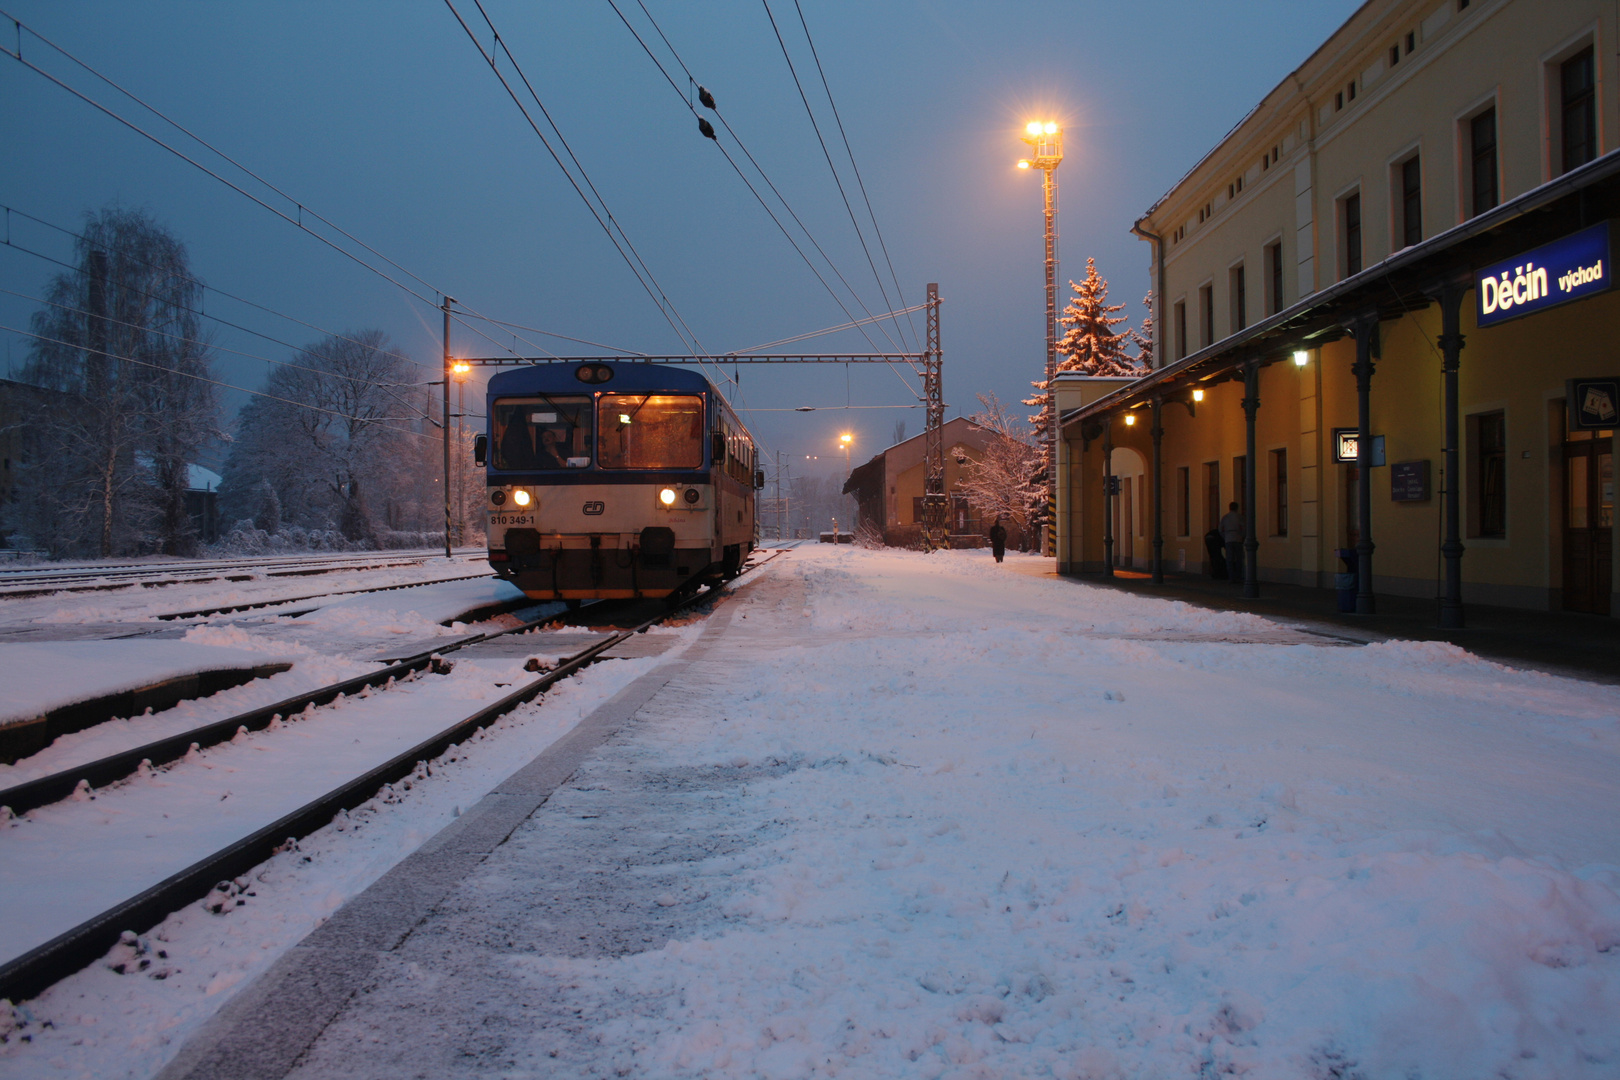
(998, 540)
(1234, 532)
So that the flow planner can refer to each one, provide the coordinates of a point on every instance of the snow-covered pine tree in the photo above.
(1090, 345)
(1144, 337)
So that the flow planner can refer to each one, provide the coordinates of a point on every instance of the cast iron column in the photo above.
(1451, 343)
(1366, 332)
(1158, 493)
(1108, 497)
(1251, 542)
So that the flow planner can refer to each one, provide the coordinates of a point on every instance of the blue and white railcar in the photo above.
(615, 480)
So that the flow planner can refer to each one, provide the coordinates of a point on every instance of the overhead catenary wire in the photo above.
(302, 210)
(226, 385)
(748, 183)
(793, 71)
(763, 175)
(849, 150)
(388, 388)
(643, 274)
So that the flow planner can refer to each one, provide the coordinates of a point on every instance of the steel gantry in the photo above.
(927, 364)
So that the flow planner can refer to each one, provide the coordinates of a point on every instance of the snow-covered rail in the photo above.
(25, 582)
(27, 975)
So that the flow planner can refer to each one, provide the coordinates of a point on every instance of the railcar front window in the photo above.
(542, 433)
(649, 431)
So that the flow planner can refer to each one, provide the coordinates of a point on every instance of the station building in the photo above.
(1387, 327)
(888, 489)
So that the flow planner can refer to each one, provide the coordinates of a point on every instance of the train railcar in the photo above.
(615, 480)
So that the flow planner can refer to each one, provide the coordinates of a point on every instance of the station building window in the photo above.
(1482, 193)
(1274, 274)
(1184, 500)
(1206, 315)
(1487, 471)
(1279, 493)
(1240, 298)
(1350, 233)
(1181, 328)
(1212, 494)
(1409, 192)
(1577, 109)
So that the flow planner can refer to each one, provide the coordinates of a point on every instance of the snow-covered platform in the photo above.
(905, 815)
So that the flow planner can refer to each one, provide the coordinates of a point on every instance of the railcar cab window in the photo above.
(649, 431)
(543, 433)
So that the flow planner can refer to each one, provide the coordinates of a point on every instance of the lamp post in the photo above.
(1046, 139)
(461, 369)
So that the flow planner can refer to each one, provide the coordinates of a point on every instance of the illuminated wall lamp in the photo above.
(1301, 358)
(1198, 395)
(1130, 419)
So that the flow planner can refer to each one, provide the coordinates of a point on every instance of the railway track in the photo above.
(29, 974)
(25, 583)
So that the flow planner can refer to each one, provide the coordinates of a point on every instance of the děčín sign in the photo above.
(1570, 268)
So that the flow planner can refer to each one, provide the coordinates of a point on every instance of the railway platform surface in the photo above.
(903, 814)
(1560, 642)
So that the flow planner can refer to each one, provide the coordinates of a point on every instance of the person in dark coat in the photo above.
(1234, 530)
(998, 540)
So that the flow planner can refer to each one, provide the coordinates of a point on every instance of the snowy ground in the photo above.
(939, 818)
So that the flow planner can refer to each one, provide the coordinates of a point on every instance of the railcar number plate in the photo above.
(511, 519)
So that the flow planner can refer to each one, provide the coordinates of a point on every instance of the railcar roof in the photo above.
(628, 377)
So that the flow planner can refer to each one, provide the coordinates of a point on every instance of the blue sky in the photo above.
(385, 119)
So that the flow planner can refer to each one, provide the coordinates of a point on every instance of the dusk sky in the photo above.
(385, 119)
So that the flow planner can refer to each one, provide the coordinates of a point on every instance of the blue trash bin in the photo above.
(1348, 583)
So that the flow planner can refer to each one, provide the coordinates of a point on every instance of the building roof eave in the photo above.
(1325, 311)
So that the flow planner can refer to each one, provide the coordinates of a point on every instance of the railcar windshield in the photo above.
(542, 433)
(649, 431)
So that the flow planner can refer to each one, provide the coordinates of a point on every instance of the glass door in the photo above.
(1588, 525)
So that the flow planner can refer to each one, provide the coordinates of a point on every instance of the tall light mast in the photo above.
(1046, 139)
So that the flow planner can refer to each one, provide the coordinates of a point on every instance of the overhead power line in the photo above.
(598, 209)
(825, 153)
(226, 385)
(746, 181)
(296, 219)
(849, 150)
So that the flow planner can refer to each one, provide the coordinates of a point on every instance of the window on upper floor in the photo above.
(1338, 101)
(1350, 91)
(1350, 233)
(1577, 100)
(1274, 278)
(1206, 315)
(1411, 42)
(1409, 201)
(1482, 167)
(1394, 55)
(1240, 298)
(1181, 328)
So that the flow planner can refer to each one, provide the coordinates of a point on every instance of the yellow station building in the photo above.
(1386, 325)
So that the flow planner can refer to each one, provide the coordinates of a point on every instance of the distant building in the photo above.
(1431, 189)
(888, 489)
(202, 502)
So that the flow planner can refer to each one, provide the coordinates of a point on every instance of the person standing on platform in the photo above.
(998, 540)
(1234, 532)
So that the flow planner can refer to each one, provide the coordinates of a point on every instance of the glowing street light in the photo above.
(1045, 137)
(847, 440)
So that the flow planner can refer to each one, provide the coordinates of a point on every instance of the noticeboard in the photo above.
(1594, 404)
(1409, 481)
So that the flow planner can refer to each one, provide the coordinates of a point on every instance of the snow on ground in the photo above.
(1000, 825)
(62, 863)
(41, 677)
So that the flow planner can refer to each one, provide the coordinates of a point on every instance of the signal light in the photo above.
(593, 373)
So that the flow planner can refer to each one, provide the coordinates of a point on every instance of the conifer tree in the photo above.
(1090, 344)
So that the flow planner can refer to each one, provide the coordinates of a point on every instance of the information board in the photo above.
(1409, 481)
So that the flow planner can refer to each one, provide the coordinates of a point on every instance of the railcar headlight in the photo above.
(667, 496)
(521, 497)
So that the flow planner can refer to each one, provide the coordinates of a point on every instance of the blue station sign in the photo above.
(1570, 268)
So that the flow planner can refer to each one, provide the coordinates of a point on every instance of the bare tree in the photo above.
(338, 435)
(1005, 481)
(120, 351)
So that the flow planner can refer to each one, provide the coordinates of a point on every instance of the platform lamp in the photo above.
(459, 370)
(1045, 138)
